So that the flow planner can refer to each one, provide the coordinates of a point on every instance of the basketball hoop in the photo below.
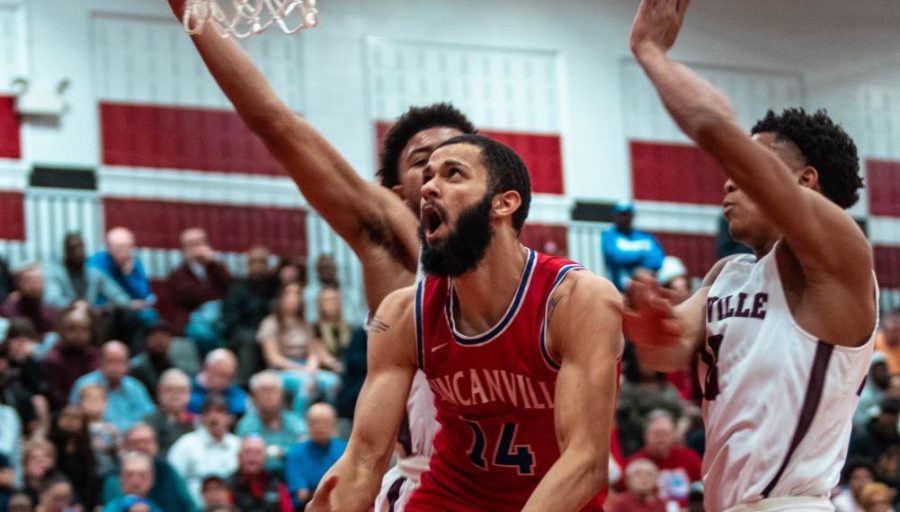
(245, 18)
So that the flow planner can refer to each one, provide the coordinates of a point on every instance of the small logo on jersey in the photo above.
(739, 305)
(438, 347)
(482, 386)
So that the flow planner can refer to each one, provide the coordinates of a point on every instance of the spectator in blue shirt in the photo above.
(268, 419)
(308, 461)
(127, 399)
(626, 249)
(217, 377)
(119, 262)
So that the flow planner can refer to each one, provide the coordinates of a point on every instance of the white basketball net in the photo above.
(245, 18)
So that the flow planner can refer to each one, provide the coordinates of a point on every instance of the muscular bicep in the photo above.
(586, 331)
(391, 367)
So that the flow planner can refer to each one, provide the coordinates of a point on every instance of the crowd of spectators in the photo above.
(221, 395)
(239, 396)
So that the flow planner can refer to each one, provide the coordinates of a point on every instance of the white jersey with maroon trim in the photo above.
(777, 401)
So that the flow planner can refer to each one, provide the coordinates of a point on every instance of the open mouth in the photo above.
(432, 219)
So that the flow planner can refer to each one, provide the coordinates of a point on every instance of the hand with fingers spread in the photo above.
(322, 500)
(650, 318)
(657, 24)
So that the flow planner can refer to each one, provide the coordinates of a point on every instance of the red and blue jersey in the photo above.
(494, 395)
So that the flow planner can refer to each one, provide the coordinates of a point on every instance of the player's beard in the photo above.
(464, 248)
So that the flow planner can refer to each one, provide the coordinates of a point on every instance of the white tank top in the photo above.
(777, 401)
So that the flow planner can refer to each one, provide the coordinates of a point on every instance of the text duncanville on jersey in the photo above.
(483, 386)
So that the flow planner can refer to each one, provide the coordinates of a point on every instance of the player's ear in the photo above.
(397, 189)
(809, 177)
(506, 203)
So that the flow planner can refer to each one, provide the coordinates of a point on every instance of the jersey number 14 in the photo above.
(507, 454)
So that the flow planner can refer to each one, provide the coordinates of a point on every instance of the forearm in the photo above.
(572, 481)
(359, 480)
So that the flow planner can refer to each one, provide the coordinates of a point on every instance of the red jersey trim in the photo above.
(508, 317)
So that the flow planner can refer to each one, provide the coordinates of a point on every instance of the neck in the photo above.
(763, 247)
(75, 267)
(269, 417)
(484, 294)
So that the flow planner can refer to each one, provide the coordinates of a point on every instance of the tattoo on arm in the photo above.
(378, 325)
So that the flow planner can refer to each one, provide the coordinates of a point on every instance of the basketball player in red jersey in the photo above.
(519, 348)
(784, 336)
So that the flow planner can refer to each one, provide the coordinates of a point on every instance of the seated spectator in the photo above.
(210, 450)
(292, 270)
(277, 427)
(149, 364)
(626, 249)
(10, 436)
(874, 391)
(172, 419)
(308, 461)
(104, 436)
(75, 280)
(254, 488)
(136, 477)
(127, 399)
(679, 467)
(288, 345)
(38, 467)
(75, 458)
(23, 341)
(168, 490)
(119, 263)
(878, 435)
(7, 481)
(72, 356)
(55, 495)
(877, 497)
(855, 476)
(642, 391)
(887, 341)
(31, 409)
(642, 491)
(28, 300)
(199, 279)
(330, 328)
(217, 378)
(215, 493)
(247, 302)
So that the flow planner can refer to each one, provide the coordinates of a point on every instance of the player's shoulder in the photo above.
(399, 300)
(584, 287)
(717, 269)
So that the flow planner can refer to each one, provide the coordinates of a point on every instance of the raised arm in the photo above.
(359, 211)
(352, 483)
(808, 221)
(586, 337)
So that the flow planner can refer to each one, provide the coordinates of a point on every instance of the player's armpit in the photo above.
(585, 331)
(379, 411)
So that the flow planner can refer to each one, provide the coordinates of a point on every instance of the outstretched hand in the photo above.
(649, 319)
(657, 24)
(321, 501)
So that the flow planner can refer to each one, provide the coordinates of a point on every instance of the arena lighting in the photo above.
(245, 18)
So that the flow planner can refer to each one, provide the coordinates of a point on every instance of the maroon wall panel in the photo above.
(537, 236)
(883, 184)
(541, 153)
(676, 173)
(887, 265)
(157, 224)
(698, 252)
(12, 216)
(181, 138)
(10, 136)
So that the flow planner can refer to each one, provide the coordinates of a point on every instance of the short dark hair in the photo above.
(825, 145)
(506, 171)
(21, 326)
(407, 126)
(854, 464)
(215, 401)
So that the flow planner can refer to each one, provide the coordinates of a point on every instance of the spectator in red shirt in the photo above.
(252, 487)
(642, 494)
(28, 300)
(199, 279)
(679, 467)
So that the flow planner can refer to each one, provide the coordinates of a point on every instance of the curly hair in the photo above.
(826, 147)
(407, 126)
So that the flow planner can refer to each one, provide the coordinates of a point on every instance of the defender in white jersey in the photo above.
(377, 220)
(784, 336)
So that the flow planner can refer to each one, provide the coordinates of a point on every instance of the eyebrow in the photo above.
(422, 149)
